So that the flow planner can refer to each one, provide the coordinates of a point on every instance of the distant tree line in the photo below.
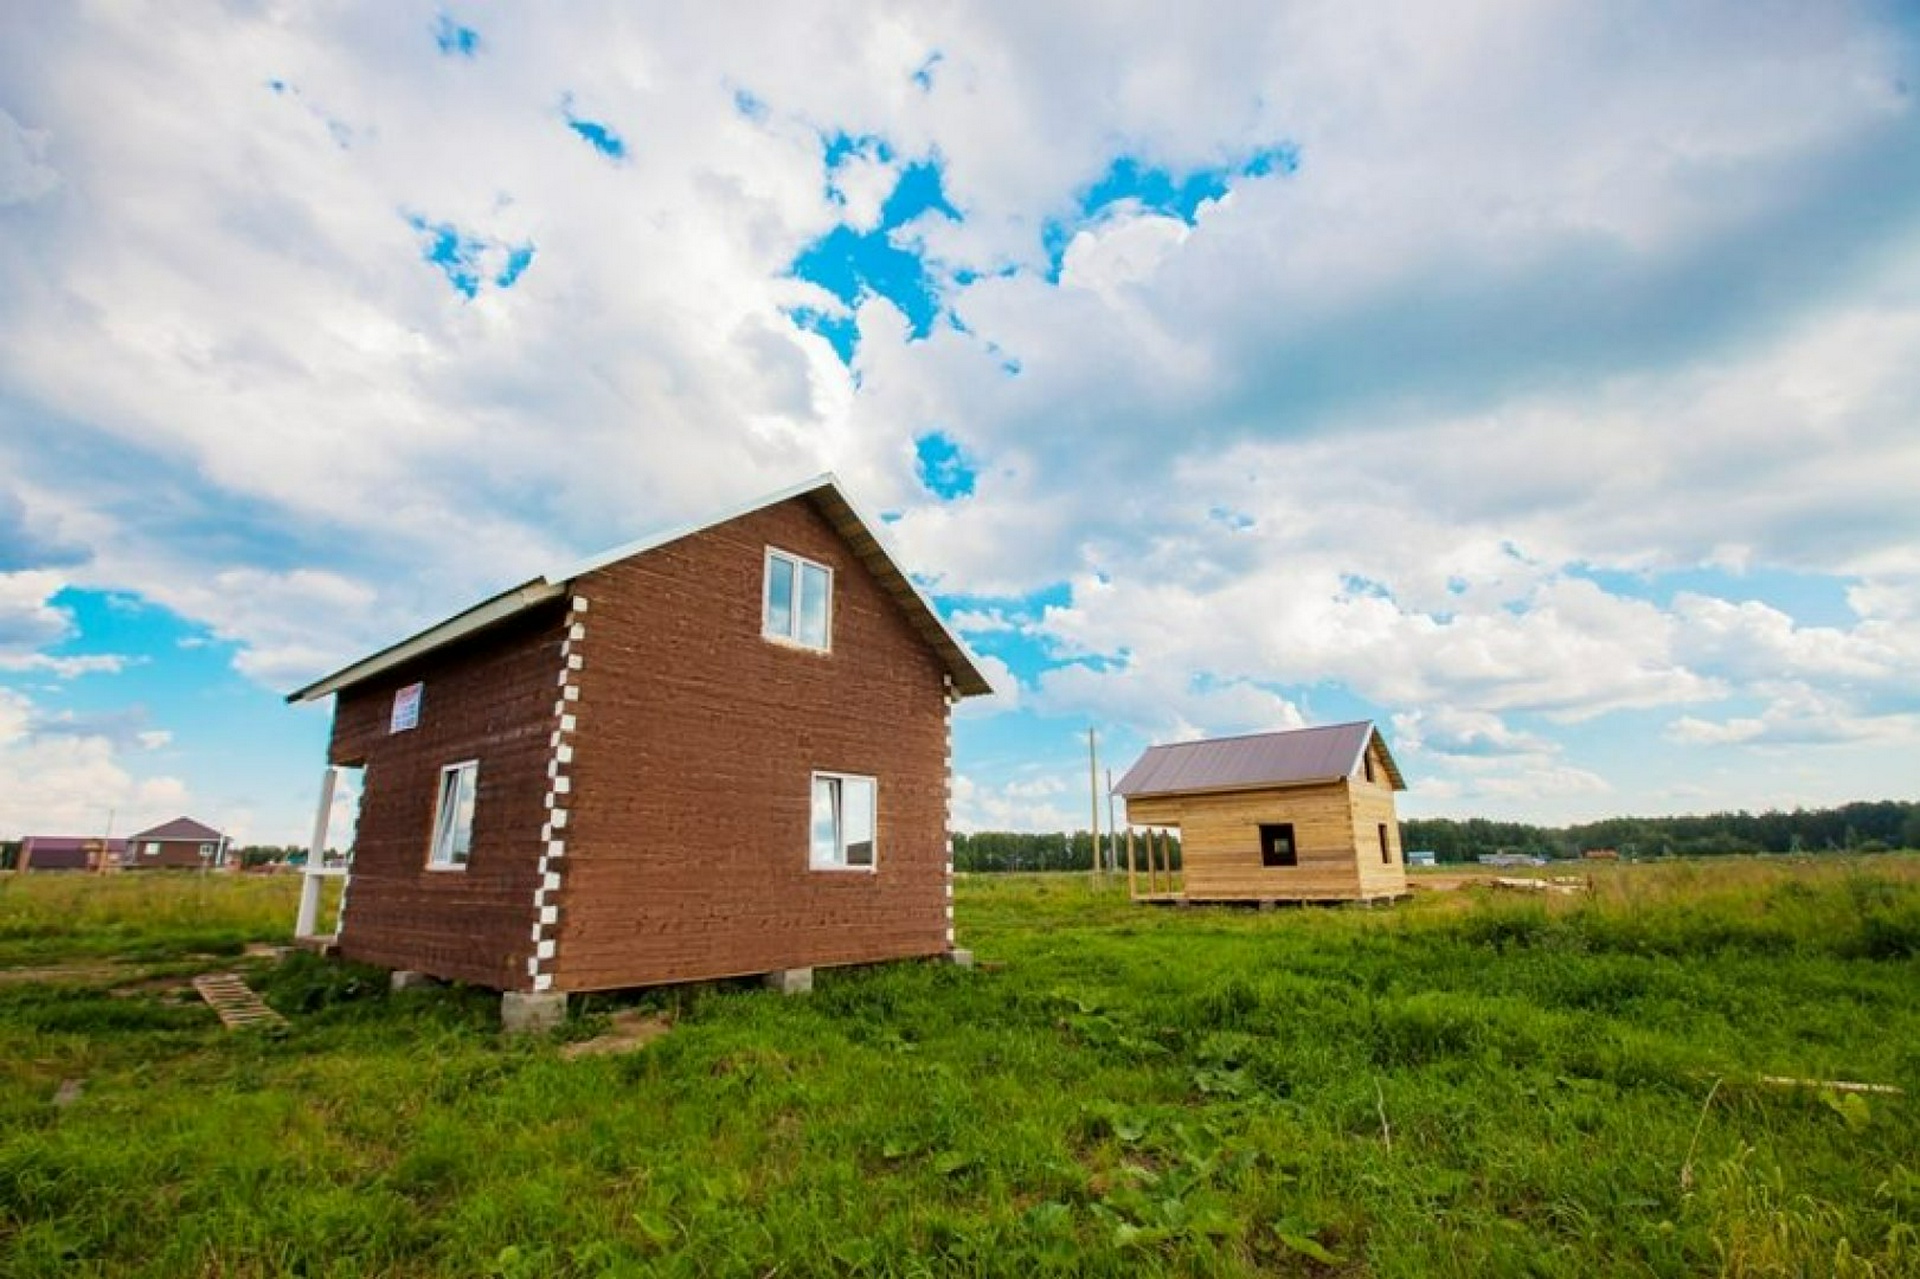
(997, 850)
(268, 854)
(1865, 826)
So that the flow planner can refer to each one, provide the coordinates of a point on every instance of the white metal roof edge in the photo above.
(654, 541)
(1393, 765)
(875, 531)
(1366, 740)
(479, 617)
(807, 487)
(539, 590)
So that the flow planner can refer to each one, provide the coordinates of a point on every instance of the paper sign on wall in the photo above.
(406, 709)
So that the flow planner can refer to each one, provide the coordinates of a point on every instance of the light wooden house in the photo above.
(1306, 815)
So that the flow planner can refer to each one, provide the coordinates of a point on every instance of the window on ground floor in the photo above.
(453, 814)
(1386, 849)
(1276, 844)
(845, 822)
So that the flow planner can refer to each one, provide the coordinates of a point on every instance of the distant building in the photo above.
(69, 852)
(1306, 815)
(1510, 859)
(1601, 854)
(181, 844)
(1422, 857)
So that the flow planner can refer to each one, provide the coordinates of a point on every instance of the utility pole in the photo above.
(1093, 796)
(106, 844)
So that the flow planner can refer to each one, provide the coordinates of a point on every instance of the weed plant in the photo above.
(1466, 1084)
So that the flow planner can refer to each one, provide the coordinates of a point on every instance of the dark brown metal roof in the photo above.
(1295, 758)
(179, 828)
(71, 843)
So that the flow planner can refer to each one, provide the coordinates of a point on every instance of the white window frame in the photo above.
(150, 849)
(440, 852)
(838, 860)
(792, 636)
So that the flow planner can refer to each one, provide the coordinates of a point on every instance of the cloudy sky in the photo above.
(1540, 381)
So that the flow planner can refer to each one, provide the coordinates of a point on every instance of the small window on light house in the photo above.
(453, 815)
(1276, 844)
(844, 822)
(798, 602)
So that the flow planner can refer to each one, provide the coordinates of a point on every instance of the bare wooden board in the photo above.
(235, 1002)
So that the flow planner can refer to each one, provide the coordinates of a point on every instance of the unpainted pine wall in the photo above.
(1373, 807)
(490, 699)
(687, 844)
(1220, 842)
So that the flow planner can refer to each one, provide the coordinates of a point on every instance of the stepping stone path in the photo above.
(237, 1005)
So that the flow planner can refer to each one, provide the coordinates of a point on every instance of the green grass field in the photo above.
(1468, 1084)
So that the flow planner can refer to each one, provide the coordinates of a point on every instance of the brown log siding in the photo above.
(687, 844)
(489, 699)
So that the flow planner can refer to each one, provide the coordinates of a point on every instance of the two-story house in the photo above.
(720, 751)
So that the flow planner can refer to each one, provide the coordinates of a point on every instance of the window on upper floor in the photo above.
(453, 816)
(798, 601)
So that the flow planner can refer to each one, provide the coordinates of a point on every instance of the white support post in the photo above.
(309, 917)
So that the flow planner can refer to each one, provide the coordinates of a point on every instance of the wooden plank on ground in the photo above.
(235, 1003)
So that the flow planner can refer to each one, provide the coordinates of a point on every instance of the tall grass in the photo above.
(1468, 1084)
(140, 915)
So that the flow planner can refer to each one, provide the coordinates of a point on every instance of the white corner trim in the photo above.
(545, 933)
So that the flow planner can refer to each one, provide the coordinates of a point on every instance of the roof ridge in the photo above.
(1272, 732)
(963, 668)
(667, 533)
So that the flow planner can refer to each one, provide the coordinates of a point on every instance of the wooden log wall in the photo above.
(692, 775)
(1336, 838)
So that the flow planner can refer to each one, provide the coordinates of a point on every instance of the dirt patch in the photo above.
(1438, 883)
(64, 974)
(169, 989)
(630, 1031)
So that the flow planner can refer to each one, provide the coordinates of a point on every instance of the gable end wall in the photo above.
(687, 848)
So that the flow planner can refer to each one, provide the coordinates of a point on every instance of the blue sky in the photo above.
(1541, 385)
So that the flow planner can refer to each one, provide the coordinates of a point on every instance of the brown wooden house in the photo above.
(716, 752)
(1306, 815)
(181, 844)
